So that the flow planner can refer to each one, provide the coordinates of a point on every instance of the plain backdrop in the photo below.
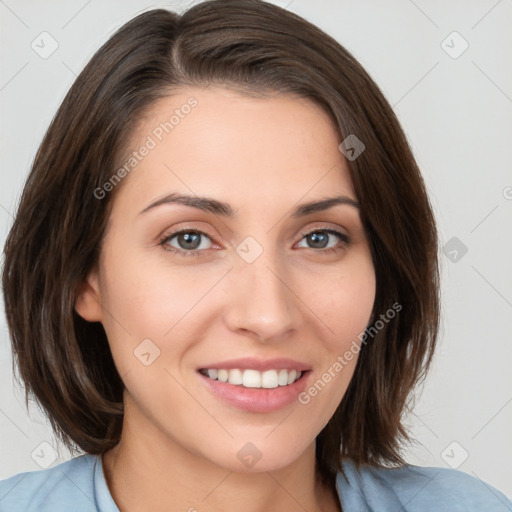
(445, 69)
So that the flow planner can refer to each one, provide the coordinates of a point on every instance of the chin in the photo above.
(266, 454)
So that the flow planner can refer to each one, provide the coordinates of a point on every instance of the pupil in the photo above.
(189, 238)
(319, 240)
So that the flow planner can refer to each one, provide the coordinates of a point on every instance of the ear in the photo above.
(88, 302)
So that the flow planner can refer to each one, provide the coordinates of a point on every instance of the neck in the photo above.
(149, 471)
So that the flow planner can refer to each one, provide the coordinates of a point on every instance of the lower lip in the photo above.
(257, 399)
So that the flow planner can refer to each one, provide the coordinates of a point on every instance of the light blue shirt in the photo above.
(79, 485)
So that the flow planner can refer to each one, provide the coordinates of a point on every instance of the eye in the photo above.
(320, 239)
(186, 242)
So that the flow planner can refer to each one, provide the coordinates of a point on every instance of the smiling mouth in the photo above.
(249, 378)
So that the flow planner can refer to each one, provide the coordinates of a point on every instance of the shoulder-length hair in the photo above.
(256, 48)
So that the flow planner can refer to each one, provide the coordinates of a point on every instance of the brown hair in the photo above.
(256, 48)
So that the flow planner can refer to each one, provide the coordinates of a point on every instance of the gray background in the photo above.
(456, 109)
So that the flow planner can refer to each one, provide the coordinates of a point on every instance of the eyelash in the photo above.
(163, 241)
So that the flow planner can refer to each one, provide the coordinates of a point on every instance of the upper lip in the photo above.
(261, 365)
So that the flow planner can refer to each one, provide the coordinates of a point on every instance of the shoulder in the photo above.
(67, 486)
(417, 489)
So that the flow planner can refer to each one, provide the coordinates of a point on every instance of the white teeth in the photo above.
(253, 378)
(235, 377)
(283, 378)
(269, 379)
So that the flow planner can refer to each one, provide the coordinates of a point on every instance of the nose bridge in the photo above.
(260, 300)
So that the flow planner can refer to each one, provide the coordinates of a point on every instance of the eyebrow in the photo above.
(225, 210)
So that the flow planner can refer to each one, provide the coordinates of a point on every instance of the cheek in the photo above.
(346, 309)
(149, 299)
(345, 301)
(152, 297)
(342, 307)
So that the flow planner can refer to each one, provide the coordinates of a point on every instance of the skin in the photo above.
(179, 444)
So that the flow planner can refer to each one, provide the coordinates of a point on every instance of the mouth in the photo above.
(256, 386)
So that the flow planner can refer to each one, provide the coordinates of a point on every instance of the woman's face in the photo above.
(260, 278)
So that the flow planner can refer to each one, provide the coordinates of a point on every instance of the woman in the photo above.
(221, 283)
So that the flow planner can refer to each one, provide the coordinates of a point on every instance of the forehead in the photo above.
(238, 148)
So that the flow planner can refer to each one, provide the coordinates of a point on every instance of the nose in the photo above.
(261, 302)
